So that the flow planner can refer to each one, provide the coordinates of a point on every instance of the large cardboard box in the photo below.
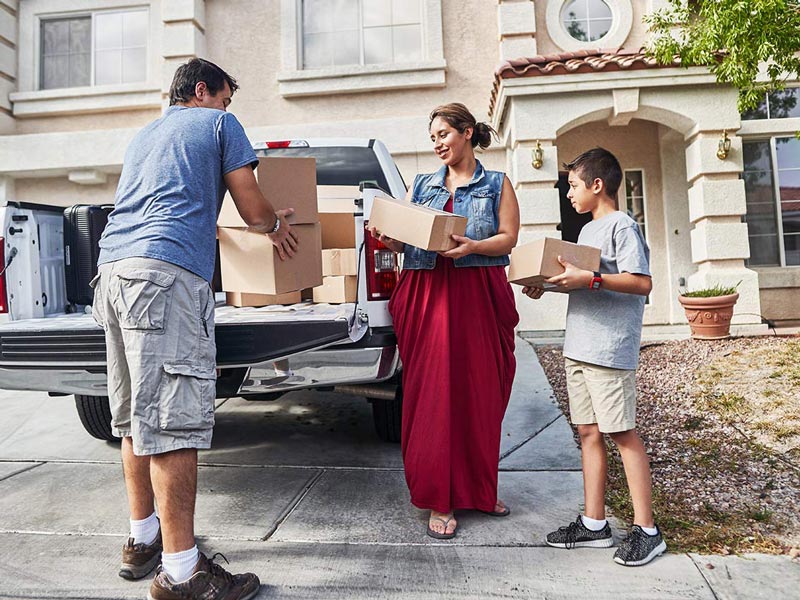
(249, 262)
(417, 225)
(339, 261)
(336, 290)
(286, 183)
(243, 299)
(532, 263)
(337, 198)
(338, 229)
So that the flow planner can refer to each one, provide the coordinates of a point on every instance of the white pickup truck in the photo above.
(48, 345)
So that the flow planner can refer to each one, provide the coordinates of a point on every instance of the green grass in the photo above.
(711, 292)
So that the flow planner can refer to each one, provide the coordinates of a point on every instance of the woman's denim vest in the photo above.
(479, 201)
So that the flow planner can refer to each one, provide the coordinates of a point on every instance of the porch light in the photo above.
(724, 145)
(538, 156)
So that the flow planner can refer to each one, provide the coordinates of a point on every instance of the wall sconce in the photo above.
(724, 145)
(538, 156)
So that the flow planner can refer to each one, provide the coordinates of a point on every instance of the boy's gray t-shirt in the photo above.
(172, 186)
(603, 327)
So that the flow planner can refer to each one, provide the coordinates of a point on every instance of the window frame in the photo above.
(92, 14)
(294, 80)
(776, 200)
(621, 24)
(644, 196)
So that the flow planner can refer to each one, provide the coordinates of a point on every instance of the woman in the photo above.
(454, 316)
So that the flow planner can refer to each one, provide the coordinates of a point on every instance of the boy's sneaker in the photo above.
(139, 559)
(209, 581)
(639, 548)
(577, 535)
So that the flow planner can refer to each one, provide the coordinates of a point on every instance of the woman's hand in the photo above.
(533, 292)
(391, 243)
(465, 247)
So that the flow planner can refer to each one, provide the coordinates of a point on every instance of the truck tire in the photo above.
(95, 416)
(388, 416)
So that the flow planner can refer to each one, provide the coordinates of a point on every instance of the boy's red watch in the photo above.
(596, 281)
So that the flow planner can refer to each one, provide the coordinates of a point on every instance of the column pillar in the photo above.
(8, 62)
(719, 239)
(184, 37)
(516, 23)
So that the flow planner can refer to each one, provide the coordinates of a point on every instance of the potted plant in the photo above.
(709, 311)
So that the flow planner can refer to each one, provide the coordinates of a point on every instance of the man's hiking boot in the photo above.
(577, 535)
(209, 581)
(139, 559)
(639, 548)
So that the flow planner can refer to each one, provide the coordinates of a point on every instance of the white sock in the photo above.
(144, 531)
(650, 530)
(180, 565)
(593, 524)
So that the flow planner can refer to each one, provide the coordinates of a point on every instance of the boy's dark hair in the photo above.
(598, 163)
(189, 74)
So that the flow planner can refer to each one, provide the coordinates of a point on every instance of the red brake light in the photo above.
(284, 144)
(3, 298)
(381, 269)
(288, 144)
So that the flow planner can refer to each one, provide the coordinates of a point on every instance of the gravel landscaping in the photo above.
(721, 422)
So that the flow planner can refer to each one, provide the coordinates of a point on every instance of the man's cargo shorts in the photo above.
(159, 324)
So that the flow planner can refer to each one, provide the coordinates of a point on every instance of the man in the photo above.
(153, 298)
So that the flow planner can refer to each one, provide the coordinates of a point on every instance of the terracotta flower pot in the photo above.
(709, 318)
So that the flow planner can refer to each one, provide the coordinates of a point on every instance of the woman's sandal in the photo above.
(498, 513)
(445, 535)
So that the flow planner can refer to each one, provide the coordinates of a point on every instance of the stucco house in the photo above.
(79, 77)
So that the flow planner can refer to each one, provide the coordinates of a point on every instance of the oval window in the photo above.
(586, 20)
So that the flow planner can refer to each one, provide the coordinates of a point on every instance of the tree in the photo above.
(735, 39)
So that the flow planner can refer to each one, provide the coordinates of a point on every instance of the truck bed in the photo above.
(244, 336)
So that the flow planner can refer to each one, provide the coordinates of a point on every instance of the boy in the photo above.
(601, 350)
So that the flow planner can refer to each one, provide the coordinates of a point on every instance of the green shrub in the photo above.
(717, 290)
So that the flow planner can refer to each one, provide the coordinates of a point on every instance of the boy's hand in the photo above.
(533, 292)
(572, 278)
(465, 246)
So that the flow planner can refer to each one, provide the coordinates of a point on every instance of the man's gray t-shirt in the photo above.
(603, 327)
(171, 188)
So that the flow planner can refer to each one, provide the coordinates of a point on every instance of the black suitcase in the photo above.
(83, 226)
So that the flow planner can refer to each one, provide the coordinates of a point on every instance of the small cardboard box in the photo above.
(286, 183)
(532, 263)
(337, 198)
(249, 263)
(337, 289)
(338, 230)
(339, 261)
(417, 225)
(241, 299)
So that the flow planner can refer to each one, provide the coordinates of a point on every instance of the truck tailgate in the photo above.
(244, 336)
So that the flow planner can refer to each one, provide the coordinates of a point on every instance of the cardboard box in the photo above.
(249, 262)
(338, 289)
(286, 183)
(417, 225)
(243, 299)
(338, 230)
(337, 198)
(339, 261)
(532, 263)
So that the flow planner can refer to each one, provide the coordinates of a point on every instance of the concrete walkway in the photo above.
(300, 492)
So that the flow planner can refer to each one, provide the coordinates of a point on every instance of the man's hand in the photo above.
(572, 278)
(533, 292)
(391, 243)
(465, 247)
(284, 240)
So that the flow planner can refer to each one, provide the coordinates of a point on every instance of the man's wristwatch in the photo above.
(596, 281)
(277, 226)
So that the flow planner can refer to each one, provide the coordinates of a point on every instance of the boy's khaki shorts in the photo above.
(161, 354)
(601, 395)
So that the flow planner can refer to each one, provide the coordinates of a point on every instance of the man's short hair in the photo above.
(598, 163)
(189, 74)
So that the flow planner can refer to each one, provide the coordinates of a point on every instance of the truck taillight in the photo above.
(381, 269)
(287, 144)
(3, 298)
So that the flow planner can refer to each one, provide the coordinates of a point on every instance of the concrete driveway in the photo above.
(301, 492)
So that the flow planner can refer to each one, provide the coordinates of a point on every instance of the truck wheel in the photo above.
(388, 416)
(95, 416)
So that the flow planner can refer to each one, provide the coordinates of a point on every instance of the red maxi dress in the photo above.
(455, 334)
